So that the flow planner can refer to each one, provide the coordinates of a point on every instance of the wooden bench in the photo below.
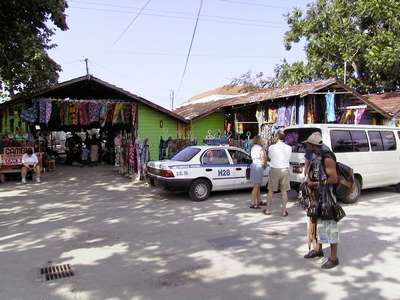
(8, 171)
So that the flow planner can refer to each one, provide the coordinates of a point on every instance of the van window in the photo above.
(360, 141)
(375, 140)
(294, 137)
(389, 141)
(341, 141)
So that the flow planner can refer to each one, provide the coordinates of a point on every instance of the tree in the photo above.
(364, 35)
(251, 83)
(25, 37)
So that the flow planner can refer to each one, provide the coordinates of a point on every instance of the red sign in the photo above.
(12, 156)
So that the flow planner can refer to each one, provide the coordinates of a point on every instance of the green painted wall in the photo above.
(199, 128)
(149, 127)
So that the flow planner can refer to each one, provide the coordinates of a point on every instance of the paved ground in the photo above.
(129, 241)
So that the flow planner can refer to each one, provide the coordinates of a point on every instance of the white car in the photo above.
(202, 169)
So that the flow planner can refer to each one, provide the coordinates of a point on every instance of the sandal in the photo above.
(285, 214)
(266, 212)
(263, 203)
(254, 206)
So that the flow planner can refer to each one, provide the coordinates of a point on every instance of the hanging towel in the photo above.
(301, 112)
(330, 107)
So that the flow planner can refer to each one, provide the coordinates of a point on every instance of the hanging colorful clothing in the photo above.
(288, 115)
(133, 114)
(281, 116)
(73, 113)
(62, 112)
(358, 114)
(301, 112)
(103, 114)
(117, 113)
(44, 111)
(126, 109)
(293, 115)
(272, 115)
(310, 111)
(83, 113)
(110, 112)
(330, 107)
(94, 111)
(346, 116)
(29, 114)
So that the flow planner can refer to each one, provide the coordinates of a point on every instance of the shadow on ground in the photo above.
(129, 241)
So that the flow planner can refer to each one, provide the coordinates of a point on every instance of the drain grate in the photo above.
(54, 272)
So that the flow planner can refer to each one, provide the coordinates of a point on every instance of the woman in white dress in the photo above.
(257, 167)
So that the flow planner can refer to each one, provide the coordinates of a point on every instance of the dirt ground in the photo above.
(125, 240)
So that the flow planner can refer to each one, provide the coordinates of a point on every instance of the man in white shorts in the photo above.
(279, 156)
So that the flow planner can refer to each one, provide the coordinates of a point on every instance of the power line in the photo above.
(133, 20)
(255, 4)
(199, 55)
(190, 47)
(85, 2)
(182, 18)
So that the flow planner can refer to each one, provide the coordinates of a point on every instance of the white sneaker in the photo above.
(38, 179)
(23, 180)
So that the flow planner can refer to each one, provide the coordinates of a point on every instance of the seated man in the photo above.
(30, 162)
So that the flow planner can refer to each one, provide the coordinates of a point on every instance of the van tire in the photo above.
(199, 190)
(355, 194)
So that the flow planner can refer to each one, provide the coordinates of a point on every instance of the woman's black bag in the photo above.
(338, 212)
(329, 209)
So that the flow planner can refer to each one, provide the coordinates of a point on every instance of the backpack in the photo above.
(345, 174)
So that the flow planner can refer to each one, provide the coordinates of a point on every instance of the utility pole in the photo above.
(172, 96)
(87, 65)
(345, 72)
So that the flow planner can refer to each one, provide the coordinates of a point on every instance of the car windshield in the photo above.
(294, 137)
(186, 154)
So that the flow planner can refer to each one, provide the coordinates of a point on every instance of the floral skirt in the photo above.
(327, 231)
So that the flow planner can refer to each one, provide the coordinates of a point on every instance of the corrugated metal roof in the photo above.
(77, 86)
(389, 102)
(193, 111)
(198, 110)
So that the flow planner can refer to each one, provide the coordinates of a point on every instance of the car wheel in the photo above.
(199, 190)
(354, 194)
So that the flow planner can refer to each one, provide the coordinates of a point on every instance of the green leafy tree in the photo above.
(251, 82)
(364, 35)
(25, 37)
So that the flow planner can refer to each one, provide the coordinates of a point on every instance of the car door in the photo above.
(218, 169)
(241, 162)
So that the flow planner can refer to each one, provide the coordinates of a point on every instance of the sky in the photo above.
(148, 58)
